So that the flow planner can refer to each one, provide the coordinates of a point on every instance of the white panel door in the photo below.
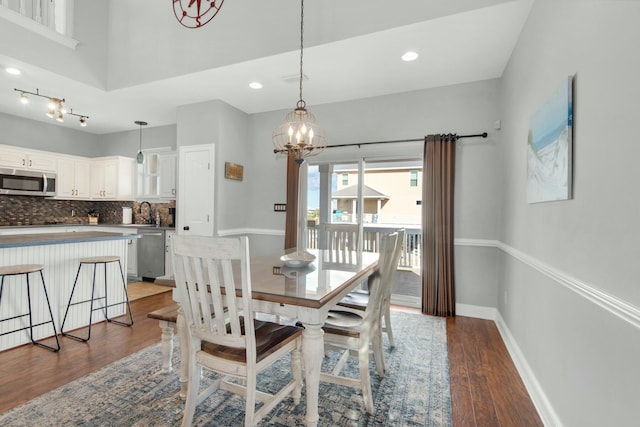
(196, 190)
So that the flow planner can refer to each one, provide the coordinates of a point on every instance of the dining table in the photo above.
(302, 294)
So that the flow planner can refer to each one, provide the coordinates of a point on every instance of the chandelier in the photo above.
(299, 135)
(55, 107)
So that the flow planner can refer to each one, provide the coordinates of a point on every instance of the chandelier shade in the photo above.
(299, 135)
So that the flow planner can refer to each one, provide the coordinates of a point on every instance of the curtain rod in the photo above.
(358, 144)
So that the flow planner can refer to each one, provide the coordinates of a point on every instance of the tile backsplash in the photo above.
(29, 210)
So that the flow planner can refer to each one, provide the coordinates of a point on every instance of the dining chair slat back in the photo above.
(350, 331)
(341, 240)
(220, 325)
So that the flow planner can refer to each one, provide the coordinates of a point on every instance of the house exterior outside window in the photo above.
(345, 179)
(413, 180)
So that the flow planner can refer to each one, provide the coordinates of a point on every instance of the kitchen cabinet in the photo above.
(74, 176)
(156, 177)
(168, 261)
(132, 258)
(22, 158)
(112, 178)
(167, 171)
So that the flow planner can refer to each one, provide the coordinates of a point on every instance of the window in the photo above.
(413, 180)
(345, 179)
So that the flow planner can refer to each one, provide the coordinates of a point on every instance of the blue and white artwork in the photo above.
(549, 150)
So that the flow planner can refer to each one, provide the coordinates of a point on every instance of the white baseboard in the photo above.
(539, 398)
(477, 311)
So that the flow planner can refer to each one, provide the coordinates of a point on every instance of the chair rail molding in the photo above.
(616, 306)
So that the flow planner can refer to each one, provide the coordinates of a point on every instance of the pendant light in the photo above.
(140, 156)
(299, 123)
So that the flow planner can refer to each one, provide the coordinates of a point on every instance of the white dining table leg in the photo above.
(183, 339)
(312, 354)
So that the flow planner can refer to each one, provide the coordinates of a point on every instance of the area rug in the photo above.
(132, 391)
(138, 290)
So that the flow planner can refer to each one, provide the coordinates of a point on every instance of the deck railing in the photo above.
(411, 247)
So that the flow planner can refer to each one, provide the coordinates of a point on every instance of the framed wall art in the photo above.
(550, 148)
(233, 171)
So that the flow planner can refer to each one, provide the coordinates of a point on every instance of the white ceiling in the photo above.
(463, 47)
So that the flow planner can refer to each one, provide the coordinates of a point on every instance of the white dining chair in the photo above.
(222, 333)
(359, 331)
(359, 299)
(341, 242)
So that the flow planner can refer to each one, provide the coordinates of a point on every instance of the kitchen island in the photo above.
(60, 254)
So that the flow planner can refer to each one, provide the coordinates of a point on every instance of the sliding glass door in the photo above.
(377, 196)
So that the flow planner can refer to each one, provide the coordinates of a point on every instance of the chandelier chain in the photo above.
(301, 44)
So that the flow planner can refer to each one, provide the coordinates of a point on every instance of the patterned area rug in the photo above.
(132, 391)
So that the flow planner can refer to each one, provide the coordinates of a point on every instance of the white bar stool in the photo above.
(26, 269)
(104, 260)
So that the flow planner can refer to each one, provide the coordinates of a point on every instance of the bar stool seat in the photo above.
(26, 269)
(95, 261)
(99, 259)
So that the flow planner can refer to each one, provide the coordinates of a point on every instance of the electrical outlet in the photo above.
(280, 207)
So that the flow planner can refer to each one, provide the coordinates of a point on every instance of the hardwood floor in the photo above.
(29, 371)
(486, 389)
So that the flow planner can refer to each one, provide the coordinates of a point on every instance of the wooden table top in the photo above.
(311, 286)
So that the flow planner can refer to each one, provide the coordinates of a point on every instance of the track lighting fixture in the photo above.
(55, 106)
(83, 118)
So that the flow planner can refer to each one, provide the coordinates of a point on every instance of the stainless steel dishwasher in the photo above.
(150, 253)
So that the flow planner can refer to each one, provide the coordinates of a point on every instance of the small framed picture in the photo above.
(233, 171)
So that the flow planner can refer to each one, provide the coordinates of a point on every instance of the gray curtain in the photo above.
(438, 282)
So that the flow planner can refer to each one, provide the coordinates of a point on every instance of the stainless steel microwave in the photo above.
(27, 182)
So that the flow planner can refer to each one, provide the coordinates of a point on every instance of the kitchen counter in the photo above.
(6, 227)
(40, 239)
(60, 252)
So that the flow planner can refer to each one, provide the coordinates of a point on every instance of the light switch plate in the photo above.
(280, 207)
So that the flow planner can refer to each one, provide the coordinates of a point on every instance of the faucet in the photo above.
(150, 219)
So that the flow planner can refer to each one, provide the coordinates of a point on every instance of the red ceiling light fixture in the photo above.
(196, 13)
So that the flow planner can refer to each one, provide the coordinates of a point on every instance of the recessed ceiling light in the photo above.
(410, 56)
(13, 71)
(255, 85)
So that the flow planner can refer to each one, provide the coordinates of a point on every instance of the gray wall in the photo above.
(127, 143)
(86, 64)
(464, 109)
(47, 137)
(568, 289)
(215, 122)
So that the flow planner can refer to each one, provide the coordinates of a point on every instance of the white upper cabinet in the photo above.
(112, 178)
(167, 184)
(74, 175)
(156, 177)
(23, 158)
(102, 178)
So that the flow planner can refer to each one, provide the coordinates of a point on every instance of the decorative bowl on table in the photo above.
(297, 259)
